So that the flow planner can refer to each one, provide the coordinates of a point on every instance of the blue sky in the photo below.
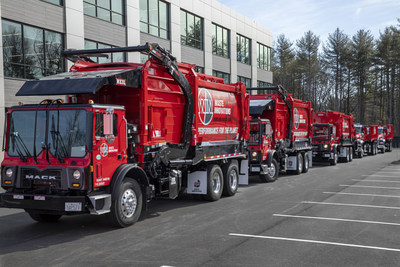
(295, 17)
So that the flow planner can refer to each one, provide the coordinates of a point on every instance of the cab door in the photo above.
(109, 145)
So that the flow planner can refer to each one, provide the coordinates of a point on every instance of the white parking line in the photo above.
(357, 194)
(335, 219)
(377, 175)
(383, 181)
(351, 205)
(369, 186)
(315, 242)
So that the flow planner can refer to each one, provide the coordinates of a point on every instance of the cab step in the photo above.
(101, 204)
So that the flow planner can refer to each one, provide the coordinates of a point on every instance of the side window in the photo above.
(100, 123)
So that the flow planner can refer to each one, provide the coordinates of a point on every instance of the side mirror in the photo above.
(108, 124)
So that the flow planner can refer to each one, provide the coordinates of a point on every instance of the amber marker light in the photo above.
(91, 168)
(75, 185)
(7, 182)
(91, 101)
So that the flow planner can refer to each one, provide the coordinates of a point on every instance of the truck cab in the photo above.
(260, 150)
(324, 147)
(62, 154)
(381, 139)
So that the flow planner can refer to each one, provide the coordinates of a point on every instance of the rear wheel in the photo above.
(333, 161)
(272, 174)
(347, 158)
(231, 178)
(215, 183)
(305, 163)
(47, 218)
(299, 166)
(361, 153)
(127, 204)
(351, 154)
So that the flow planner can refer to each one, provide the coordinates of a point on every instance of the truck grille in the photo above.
(33, 178)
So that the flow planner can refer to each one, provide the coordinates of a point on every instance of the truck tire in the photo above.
(390, 147)
(273, 173)
(351, 154)
(333, 161)
(231, 178)
(305, 163)
(361, 154)
(347, 158)
(127, 205)
(215, 183)
(46, 218)
(299, 166)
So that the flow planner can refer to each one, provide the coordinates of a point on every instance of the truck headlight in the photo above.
(254, 154)
(326, 146)
(9, 172)
(76, 174)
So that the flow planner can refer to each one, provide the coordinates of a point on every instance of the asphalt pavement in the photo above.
(343, 215)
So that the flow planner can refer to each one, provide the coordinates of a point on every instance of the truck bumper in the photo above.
(46, 203)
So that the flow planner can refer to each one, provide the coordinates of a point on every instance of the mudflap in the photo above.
(244, 172)
(175, 181)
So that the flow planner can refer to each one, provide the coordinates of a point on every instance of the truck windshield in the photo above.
(321, 132)
(358, 129)
(380, 130)
(66, 133)
(254, 134)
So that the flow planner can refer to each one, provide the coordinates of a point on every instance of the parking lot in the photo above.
(344, 215)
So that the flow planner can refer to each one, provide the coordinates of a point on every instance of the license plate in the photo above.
(327, 155)
(73, 206)
(255, 169)
(39, 198)
(18, 196)
(315, 153)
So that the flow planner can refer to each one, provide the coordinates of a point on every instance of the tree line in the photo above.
(351, 74)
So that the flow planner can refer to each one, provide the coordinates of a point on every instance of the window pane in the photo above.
(118, 57)
(163, 34)
(198, 28)
(117, 5)
(90, 1)
(214, 39)
(89, 9)
(225, 43)
(190, 27)
(144, 27)
(143, 11)
(56, 2)
(117, 18)
(183, 24)
(54, 46)
(153, 13)
(163, 15)
(219, 41)
(91, 45)
(12, 42)
(103, 14)
(104, 3)
(153, 30)
(33, 46)
(104, 59)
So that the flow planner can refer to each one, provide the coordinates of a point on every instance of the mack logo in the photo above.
(121, 81)
(40, 177)
(205, 103)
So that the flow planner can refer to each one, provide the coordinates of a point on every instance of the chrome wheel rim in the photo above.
(128, 203)
(272, 170)
(216, 182)
(233, 180)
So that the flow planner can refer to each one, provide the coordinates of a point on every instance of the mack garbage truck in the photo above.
(280, 134)
(127, 133)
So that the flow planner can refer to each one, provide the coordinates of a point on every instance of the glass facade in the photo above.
(112, 57)
(31, 52)
(110, 10)
(220, 41)
(226, 76)
(246, 81)
(243, 49)
(154, 18)
(191, 30)
(263, 57)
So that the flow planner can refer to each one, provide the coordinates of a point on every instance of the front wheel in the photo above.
(46, 218)
(272, 173)
(351, 154)
(127, 204)
(333, 161)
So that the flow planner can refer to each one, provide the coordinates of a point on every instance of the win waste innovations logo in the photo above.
(205, 103)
